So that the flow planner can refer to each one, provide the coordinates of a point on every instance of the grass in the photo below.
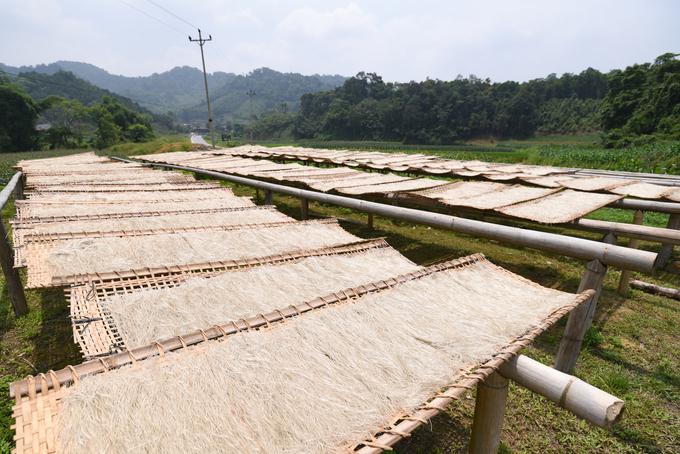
(631, 351)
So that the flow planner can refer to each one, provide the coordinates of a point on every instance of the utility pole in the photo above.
(200, 41)
(251, 94)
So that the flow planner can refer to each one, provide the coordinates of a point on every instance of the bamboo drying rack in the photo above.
(25, 227)
(38, 400)
(95, 330)
(39, 246)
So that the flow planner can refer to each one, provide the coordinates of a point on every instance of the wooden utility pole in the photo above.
(251, 94)
(201, 41)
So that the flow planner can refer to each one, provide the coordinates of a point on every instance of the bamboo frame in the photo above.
(35, 414)
(26, 227)
(624, 258)
(39, 246)
(95, 331)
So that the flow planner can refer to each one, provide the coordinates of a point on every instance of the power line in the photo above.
(223, 56)
(149, 15)
(90, 91)
(172, 14)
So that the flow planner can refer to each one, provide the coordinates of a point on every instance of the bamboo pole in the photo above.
(654, 234)
(268, 197)
(369, 223)
(15, 288)
(492, 395)
(581, 317)
(599, 408)
(304, 209)
(666, 249)
(620, 257)
(633, 244)
(651, 288)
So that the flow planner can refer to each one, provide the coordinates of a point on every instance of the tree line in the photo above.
(109, 121)
(639, 101)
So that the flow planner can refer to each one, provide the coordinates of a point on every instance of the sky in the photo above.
(399, 40)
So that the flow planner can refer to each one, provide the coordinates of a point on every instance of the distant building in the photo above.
(201, 130)
(44, 127)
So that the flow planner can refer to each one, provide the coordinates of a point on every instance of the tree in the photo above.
(18, 115)
(61, 137)
(116, 122)
(108, 132)
(65, 113)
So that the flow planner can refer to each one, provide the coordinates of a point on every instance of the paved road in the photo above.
(199, 140)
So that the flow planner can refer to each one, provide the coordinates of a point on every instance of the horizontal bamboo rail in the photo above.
(598, 407)
(640, 232)
(616, 256)
(12, 278)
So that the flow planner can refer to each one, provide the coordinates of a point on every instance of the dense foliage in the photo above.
(643, 100)
(18, 115)
(443, 113)
(69, 120)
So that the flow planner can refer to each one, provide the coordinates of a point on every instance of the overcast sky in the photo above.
(400, 40)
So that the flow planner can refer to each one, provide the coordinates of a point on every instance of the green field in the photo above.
(631, 351)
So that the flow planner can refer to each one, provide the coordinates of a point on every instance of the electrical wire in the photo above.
(172, 14)
(90, 91)
(223, 56)
(157, 20)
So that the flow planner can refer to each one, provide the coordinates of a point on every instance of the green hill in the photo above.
(275, 92)
(178, 88)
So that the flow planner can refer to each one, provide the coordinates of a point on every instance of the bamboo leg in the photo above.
(257, 193)
(633, 244)
(666, 250)
(581, 317)
(370, 221)
(492, 394)
(268, 197)
(19, 189)
(14, 286)
(304, 209)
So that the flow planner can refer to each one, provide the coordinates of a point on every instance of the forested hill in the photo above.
(275, 92)
(178, 88)
(67, 85)
(441, 112)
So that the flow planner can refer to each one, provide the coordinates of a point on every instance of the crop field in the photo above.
(631, 351)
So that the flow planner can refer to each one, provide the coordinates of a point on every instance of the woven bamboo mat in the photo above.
(643, 190)
(94, 328)
(402, 186)
(361, 179)
(548, 182)
(131, 169)
(263, 169)
(459, 190)
(318, 177)
(595, 183)
(672, 195)
(31, 226)
(36, 191)
(500, 198)
(38, 247)
(149, 195)
(39, 401)
(560, 207)
(50, 210)
(112, 179)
